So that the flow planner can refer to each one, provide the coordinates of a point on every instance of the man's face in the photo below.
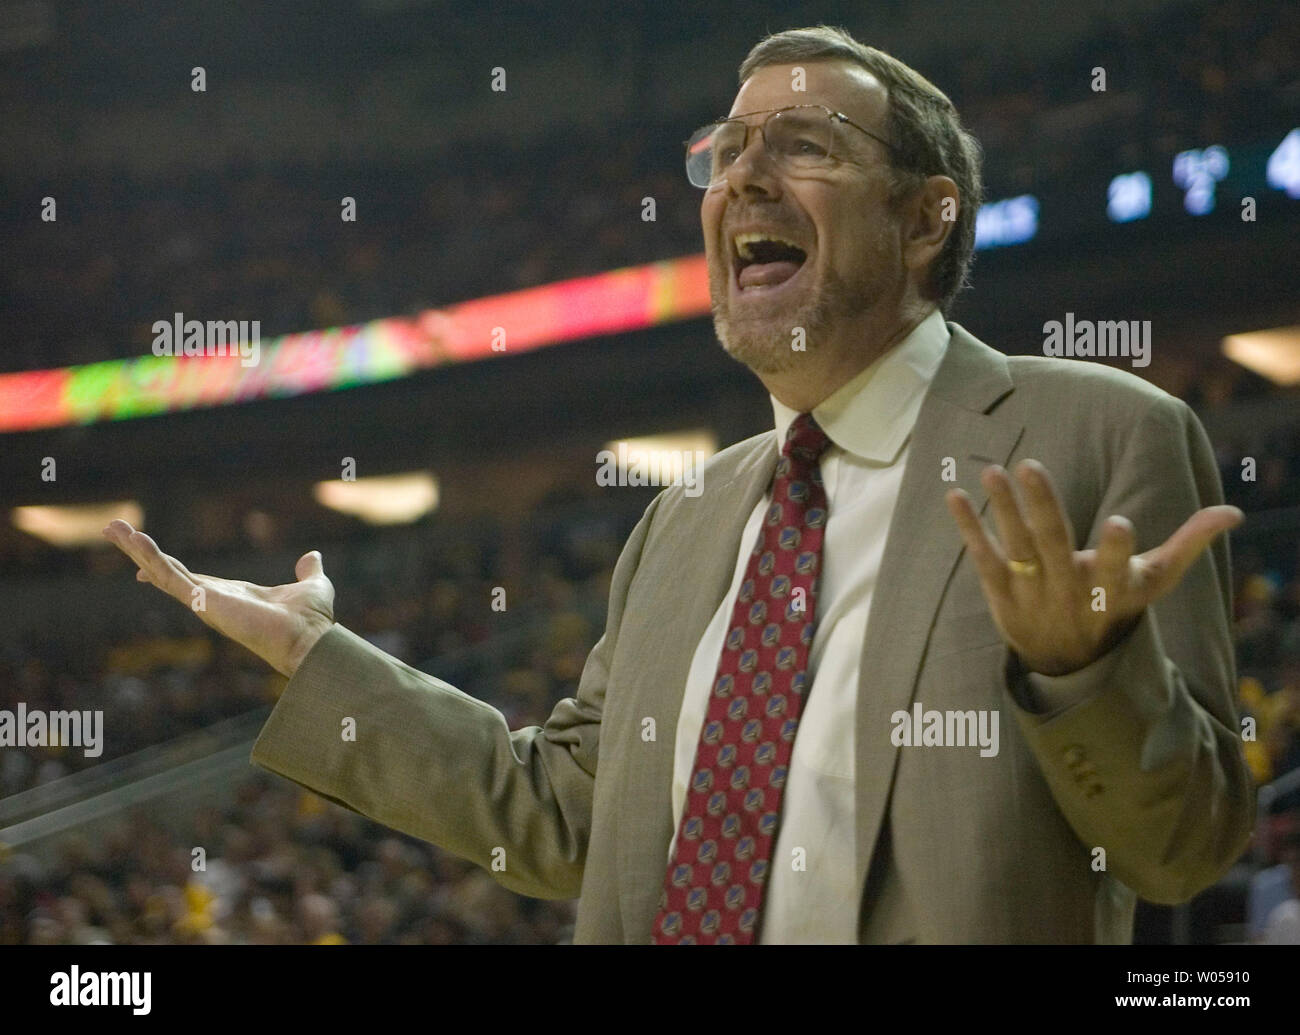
(838, 217)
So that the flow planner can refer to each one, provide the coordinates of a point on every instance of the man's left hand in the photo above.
(1059, 608)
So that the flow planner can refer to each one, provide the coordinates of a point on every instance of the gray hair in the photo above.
(924, 129)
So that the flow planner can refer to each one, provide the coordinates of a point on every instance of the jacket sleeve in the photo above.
(434, 762)
(1142, 748)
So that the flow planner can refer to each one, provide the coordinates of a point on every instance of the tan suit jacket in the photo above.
(950, 846)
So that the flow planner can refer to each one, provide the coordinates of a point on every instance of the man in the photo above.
(998, 739)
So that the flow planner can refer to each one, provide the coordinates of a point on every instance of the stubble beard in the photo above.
(765, 343)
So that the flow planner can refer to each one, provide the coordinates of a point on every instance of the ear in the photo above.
(929, 217)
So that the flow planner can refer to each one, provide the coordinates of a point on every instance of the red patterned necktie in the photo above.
(713, 891)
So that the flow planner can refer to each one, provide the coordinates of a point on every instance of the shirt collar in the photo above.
(872, 414)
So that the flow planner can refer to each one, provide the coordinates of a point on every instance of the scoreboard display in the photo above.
(1194, 183)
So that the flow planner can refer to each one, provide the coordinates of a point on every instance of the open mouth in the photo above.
(765, 260)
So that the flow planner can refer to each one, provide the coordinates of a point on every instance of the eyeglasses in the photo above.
(800, 139)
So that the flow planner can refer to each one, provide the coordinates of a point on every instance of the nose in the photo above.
(753, 171)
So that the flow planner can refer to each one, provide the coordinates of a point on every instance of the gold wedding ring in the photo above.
(1029, 567)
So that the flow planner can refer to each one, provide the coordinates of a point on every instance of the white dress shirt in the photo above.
(811, 894)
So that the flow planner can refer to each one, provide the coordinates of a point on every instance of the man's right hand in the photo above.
(279, 624)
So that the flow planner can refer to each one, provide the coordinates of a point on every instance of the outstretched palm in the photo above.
(277, 623)
(1043, 594)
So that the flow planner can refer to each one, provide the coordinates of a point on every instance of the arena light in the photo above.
(1283, 170)
(396, 499)
(1129, 197)
(1197, 172)
(75, 525)
(1273, 353)
(1010, 221)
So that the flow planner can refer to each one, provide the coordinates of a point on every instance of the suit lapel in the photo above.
(921, 554)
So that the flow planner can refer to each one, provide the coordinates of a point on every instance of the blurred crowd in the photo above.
(1267, 627)
(272, 246)
(282, 865)
(1263, 479)
(271, 864)
(1187, 75)
(253, 244)
(424, 595)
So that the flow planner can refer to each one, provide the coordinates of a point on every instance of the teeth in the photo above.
(743, 242)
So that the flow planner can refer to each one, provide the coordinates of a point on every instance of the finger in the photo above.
(1165, 565)
(119, 533)
(116, 532)
(161, 572)
(1017, 540)
(1118, 541)
(309, 564)
(990, 564)
(180, 567)
(1052, 536)
(138, 550)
